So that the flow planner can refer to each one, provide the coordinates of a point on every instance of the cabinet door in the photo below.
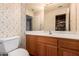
(41, 49)
(67, 52)
(31, 45)
(46, 50)
(51, 50)
(27, 42)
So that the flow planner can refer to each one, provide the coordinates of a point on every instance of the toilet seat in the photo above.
(19, 52)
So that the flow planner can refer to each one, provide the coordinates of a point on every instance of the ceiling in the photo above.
(47, 7)
(35, 6)
(53, 6)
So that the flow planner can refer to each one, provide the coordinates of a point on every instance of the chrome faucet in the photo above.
(50, 32)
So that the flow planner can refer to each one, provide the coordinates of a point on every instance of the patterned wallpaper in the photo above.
(10, 20)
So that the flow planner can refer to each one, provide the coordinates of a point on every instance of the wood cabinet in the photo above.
(31, 44)
(68, 52)
(47, 46)
(68, 47)
(47, 50)
(48, 40)
(51, 46)
(41, 46)
(70, 44)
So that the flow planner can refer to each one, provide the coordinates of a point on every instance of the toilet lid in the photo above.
(19, 52)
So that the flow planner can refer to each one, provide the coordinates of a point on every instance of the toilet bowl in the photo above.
(9, 46)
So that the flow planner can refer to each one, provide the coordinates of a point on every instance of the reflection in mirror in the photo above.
(51, 16)
(57, 17)
(60, 22)
(28, 23)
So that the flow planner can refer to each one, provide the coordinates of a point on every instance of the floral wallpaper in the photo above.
(10, 20)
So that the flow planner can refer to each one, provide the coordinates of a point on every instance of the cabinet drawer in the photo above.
(48, 40)
(71, 44)
(68, 52)
(32, 37)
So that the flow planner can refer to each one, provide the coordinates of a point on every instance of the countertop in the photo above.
(59, 34)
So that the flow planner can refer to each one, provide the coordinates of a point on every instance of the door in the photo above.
(28, 23)
(46, 50)
(32, 45)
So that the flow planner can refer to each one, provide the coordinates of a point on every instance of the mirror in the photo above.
(50, 16)
(57, 17)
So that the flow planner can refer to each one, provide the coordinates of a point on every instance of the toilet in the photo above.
(9, 47)
(19, 52)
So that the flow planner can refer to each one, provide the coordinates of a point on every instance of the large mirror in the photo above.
(50, 16)
(57, 17)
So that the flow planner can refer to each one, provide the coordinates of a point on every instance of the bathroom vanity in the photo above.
(56, 44)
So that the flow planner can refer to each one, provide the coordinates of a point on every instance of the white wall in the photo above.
(73, 17)
(29, 12)
(13, 21)
(23, 25)
(38, 20)
(49, 21)
(25, 10)
(78, 17)
(10, 20)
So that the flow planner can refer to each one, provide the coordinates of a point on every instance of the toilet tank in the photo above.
(9, 44)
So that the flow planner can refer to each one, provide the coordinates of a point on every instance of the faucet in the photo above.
(50, 32)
